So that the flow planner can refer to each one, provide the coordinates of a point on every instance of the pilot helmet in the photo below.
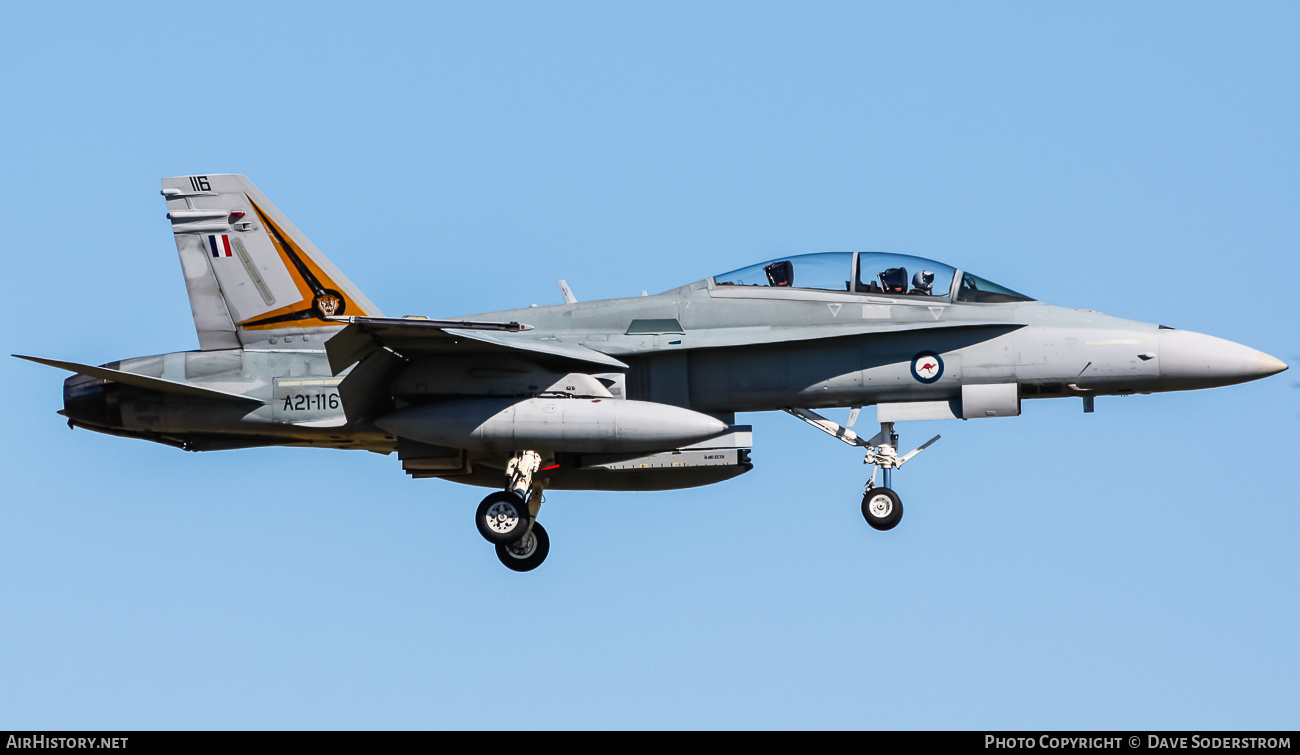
(923, 280)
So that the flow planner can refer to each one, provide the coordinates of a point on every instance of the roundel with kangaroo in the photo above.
(927, 367)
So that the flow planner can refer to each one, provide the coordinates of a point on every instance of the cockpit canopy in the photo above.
(869, 273)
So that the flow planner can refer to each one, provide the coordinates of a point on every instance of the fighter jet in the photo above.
(639, 393)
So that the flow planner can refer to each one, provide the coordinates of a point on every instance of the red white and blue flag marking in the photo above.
(219, 245)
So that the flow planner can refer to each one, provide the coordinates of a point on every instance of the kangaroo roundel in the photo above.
(927, 367)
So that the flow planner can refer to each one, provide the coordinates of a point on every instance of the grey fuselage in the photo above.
(761, 348)
(711, 348)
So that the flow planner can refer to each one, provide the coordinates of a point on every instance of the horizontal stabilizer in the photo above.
(143, 381)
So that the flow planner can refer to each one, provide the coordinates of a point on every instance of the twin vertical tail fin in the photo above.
(254, 279)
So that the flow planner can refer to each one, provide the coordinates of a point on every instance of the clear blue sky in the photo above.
(1134, 568)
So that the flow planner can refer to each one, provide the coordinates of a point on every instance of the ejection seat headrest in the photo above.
(894, 280)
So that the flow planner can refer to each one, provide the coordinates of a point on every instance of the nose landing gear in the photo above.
(881, 506)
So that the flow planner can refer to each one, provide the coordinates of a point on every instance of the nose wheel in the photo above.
(881, 506)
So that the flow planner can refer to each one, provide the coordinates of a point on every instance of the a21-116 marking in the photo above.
(311, 402)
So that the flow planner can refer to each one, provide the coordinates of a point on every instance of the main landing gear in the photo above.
(508, 518)
(881, 506)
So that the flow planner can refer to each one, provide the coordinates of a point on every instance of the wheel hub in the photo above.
(880, 506)
(524, 547)
(502, 517)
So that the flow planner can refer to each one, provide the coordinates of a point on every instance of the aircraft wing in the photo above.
(143, 381)
(548, 346)
(408, 337)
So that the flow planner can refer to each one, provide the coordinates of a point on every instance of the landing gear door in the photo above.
(991, 400)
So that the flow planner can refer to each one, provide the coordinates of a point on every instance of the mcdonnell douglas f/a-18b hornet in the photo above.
(621, 394)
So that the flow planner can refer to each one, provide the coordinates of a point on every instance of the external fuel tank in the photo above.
(552, 424)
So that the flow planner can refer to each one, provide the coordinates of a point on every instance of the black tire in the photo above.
(526, 554)
(882, 508)
(501, 517)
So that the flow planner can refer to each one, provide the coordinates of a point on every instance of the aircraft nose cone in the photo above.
(1270, 365)
(1194, 360)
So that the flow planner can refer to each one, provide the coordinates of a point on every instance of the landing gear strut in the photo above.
(508, 518)
(881, 506)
